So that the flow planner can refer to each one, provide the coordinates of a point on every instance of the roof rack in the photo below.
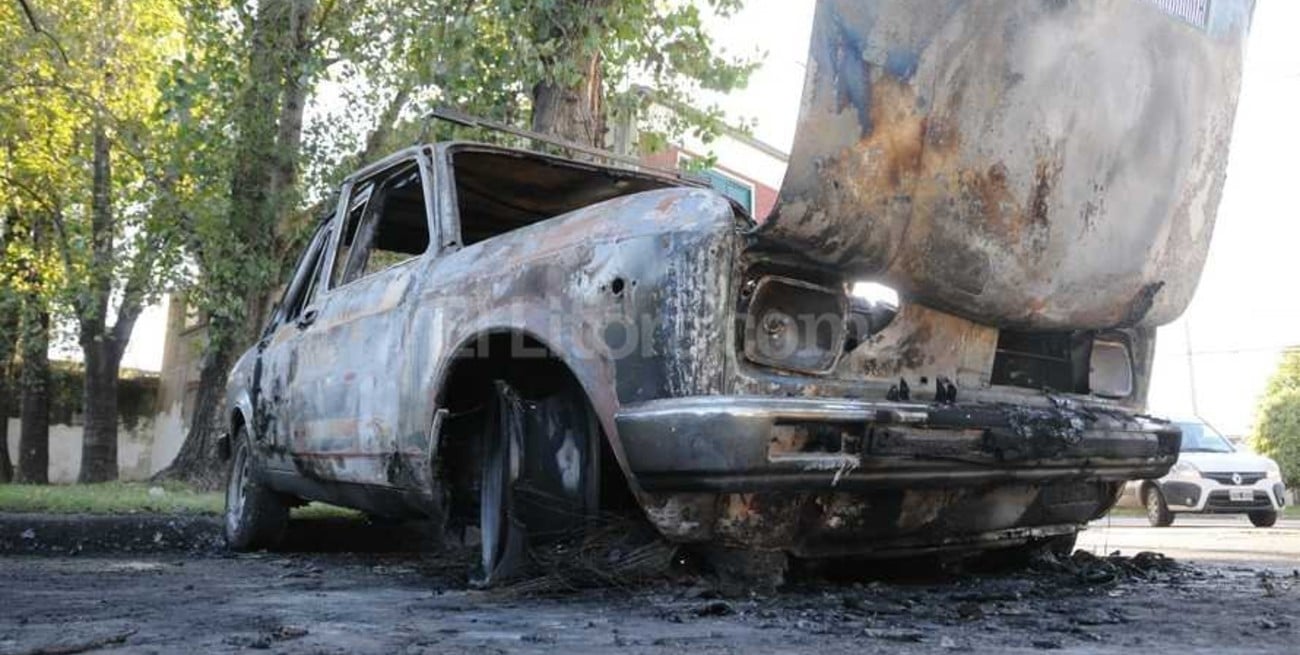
(461, 118)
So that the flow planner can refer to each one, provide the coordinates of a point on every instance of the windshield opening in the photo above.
(499, 191)
(1201, 438)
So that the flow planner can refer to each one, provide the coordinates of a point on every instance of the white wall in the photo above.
(139, 453)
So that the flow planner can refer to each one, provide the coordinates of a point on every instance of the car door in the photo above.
(350, 357)
(275, 373)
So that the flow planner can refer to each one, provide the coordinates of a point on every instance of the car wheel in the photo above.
(256, 517)
(1265, 519)
(1158, 514)
(539, 480)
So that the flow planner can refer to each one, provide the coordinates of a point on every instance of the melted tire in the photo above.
(256, 517)
(1020, 556)
(503, 537)
(540, 478)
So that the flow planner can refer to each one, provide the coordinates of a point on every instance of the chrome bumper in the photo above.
(753, 443)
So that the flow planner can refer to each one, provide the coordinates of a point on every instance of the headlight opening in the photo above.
(795, 325)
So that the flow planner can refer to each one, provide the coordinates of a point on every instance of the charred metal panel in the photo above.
(625, 293)
(1031, 164)
(349, 374)
(924, 343)
(882, 523)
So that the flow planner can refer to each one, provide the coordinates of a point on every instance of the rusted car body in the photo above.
(571, 327)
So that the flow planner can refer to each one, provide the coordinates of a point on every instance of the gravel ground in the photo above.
(202, 600)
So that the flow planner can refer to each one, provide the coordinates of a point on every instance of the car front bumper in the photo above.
(846, 477)
(739, 444)
(1203, 495)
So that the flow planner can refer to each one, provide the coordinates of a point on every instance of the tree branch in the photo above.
(132, 303)
(326, 9)
(56, 217)
(36, 27)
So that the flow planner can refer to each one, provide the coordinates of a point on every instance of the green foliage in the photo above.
(173, 82)
(1277, 421)
(152, 144)
(78, 76)
(486, 58)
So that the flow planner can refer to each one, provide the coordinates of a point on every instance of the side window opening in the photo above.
(302, 288)
(386, 224)
(357, 204)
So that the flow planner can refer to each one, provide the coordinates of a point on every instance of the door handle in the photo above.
(307, 318)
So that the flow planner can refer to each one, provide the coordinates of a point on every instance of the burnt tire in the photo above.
(539, 478)
(1020, 556)
(1062, 546)
(1158, 514)
(256, 517)
(1265, 519)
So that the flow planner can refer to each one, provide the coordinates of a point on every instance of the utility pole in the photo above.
(1191, 366)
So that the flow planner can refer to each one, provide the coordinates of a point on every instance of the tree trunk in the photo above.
(269, 127)
(378, 139)
(34, 442)
(10, 313)
(6, 465)
(198, 462)
(101, 351)
(10, 310)
(574, 110)
(99, 443)
(574, 113)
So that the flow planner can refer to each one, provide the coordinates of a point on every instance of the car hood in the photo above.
(1237, 462)
(1029, 164)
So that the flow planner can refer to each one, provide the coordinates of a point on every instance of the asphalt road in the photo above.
(1233, 590)
(1198, 538)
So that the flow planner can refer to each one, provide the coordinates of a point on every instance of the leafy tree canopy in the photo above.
(1277, 420)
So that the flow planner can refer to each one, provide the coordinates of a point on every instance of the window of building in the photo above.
(728, 185)
(740, 191)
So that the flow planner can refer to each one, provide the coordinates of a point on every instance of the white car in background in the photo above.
(1212, 476)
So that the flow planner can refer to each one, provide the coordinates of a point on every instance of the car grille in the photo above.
(1226, 478)
(1219, 500)
(1196, 12)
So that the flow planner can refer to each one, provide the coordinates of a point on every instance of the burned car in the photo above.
(515, 342)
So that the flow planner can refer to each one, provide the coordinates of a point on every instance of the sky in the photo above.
(1243, 314)
(1245, 311)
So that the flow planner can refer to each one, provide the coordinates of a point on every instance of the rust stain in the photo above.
(1046, 174)
(785, 441)
(666, 204)
(897, 141)
(996, 202)
(930, 155)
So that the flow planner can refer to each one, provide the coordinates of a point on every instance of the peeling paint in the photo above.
(1032, 164)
